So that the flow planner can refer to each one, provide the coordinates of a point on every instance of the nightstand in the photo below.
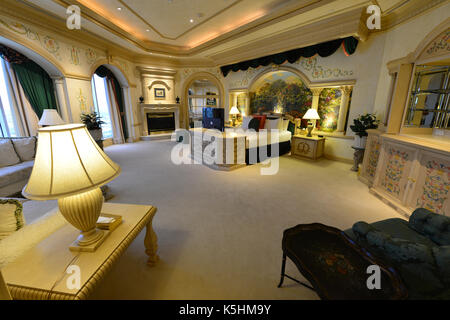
(307, 147)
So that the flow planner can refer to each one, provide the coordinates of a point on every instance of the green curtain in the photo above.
(37, 86)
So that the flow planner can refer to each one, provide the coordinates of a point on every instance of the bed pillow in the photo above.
(254, 124)
(25, 148)
(285, 125)
(262, 120)
(273, 124)
(8, 155)
(245, 121)
(11, 217)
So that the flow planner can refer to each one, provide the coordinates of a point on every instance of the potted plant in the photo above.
(93, 123)
(360, 126)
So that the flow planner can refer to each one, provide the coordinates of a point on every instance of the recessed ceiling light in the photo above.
(119, 8)
(191, 21)
(148, 30)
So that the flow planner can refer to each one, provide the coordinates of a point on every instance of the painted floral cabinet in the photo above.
(409, 176)
(432, 187)
(371, 155)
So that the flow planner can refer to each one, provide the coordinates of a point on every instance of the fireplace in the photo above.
(159, 122)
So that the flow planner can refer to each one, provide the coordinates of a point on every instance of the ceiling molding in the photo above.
(405, 11)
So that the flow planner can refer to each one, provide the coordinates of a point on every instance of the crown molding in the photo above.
(406, 11)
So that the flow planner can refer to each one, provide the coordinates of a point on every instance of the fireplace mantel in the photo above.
(158, 108)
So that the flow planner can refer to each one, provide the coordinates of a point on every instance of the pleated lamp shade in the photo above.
(234, 110)
(50, 117)
(68, 162)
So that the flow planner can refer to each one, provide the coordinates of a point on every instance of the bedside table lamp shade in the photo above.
(70, 166)
(311, 114)
(234, 110)
(50, 117)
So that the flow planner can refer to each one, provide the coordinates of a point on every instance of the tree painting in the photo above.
(329, 105)
(280, 91)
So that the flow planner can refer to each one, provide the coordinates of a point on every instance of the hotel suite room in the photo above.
(225, 149)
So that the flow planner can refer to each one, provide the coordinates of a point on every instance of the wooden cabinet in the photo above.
(411, 175)
(307, 147)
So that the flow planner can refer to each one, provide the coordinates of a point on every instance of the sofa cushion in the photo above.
(433, 225)
(8, 155)
(11, 217)
(25, 148)
(18, 172)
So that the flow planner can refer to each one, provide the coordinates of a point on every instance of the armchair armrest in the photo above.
(432, 225)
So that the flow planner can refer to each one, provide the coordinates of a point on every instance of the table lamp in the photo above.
(71, 167)
(50, 117)
(311, 114)
(234, 111)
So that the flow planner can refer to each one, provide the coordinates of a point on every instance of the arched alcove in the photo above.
(200, 76)
(41, 58)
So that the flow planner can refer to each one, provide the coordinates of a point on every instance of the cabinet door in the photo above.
(304, 148)
(396, 165)
(371, 156)
(432, 186)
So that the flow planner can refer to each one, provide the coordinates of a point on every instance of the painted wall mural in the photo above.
(280, 91)
(329, 105)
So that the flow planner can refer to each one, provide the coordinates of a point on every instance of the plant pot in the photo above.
(97, 134)
(360, 142)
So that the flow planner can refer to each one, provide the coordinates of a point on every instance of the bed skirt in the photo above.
(283, 148)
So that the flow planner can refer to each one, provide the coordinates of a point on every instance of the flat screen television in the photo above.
(213, 118)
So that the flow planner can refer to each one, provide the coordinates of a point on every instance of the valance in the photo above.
(11, 55)
(323, 49)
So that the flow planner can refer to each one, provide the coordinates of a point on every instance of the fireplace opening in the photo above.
(160, 122)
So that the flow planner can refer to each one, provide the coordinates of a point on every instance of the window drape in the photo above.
(35, 81)
(116, 91)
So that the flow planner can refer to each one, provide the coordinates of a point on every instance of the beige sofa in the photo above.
(16, 163)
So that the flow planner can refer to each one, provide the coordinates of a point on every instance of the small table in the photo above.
(336, 266)
(307, 147)
(40, 273)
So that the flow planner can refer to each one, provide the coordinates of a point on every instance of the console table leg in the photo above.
(151, 245)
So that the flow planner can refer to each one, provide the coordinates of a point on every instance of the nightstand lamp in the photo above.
(50, 117)
(311, 114)
(234, 111)
(71, 167)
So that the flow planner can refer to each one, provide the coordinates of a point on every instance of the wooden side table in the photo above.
(307, 147)
(40, 273)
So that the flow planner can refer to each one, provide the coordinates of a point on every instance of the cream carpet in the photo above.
(220, 232)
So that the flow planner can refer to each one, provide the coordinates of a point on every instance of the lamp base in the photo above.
(310, 128)
(82, 211)
(80, 245)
